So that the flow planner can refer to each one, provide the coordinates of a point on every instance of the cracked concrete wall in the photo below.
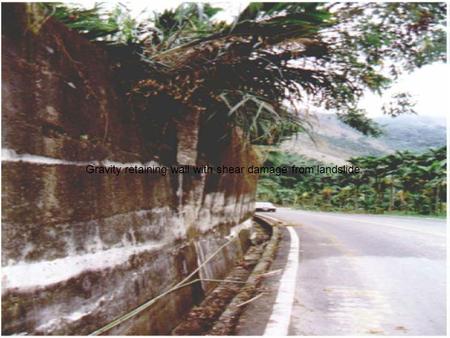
(80, 250)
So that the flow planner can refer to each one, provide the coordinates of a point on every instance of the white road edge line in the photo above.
(278, 324)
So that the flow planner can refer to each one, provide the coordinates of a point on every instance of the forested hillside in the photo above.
(404, 182)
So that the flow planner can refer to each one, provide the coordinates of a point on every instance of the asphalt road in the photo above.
(362, 275)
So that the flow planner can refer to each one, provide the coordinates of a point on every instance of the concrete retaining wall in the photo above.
(78, 249)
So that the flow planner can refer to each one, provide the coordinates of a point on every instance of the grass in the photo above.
(415, 214)
(361, 211)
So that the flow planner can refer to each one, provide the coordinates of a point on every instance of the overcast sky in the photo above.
(429, 86)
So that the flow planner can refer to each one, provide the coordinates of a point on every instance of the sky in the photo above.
(429, 86)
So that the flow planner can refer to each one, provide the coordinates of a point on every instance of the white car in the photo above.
(265, 206)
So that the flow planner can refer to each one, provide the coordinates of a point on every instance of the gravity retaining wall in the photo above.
(78, 249)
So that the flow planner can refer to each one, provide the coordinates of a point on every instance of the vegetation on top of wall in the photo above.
(404, 182)
(274, 54)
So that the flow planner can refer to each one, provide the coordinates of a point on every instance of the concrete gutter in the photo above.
(226, 323)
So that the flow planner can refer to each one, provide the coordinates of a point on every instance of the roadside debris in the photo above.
(220, 310)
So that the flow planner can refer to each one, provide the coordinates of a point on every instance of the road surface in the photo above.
(356, 275)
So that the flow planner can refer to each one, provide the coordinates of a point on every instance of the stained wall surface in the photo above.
(79, 249)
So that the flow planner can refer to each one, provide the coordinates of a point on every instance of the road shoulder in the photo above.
(254, 319)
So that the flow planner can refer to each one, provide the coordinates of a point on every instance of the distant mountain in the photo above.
(332, 141)
(413, 132)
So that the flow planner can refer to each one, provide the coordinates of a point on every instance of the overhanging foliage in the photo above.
(280, 53)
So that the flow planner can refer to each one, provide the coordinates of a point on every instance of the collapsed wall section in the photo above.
(78, 249)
